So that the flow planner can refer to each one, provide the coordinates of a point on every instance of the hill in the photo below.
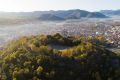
(34, 58)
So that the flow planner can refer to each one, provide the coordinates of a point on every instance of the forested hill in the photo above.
(35, 58)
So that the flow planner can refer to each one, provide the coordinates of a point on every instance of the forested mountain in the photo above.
(35, 58)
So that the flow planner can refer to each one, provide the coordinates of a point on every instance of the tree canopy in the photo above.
(32, 58)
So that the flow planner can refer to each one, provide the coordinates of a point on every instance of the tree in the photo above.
(39, 70)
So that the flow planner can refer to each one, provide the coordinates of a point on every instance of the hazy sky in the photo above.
(35, 5)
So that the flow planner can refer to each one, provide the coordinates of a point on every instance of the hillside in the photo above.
(34, 58)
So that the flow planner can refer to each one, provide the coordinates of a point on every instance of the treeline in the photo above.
(32, 58)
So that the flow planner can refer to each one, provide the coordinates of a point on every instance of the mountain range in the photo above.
(76, 14)
(53, 15)
(59, 15)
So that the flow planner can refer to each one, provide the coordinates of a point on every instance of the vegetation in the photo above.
(33, 58)
(117, 51)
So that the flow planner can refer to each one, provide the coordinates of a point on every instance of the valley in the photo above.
(109, 28)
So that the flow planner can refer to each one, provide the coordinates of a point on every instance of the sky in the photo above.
(43, 5)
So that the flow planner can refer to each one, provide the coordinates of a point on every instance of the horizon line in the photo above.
(58, 10)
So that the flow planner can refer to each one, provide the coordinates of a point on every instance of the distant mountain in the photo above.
(111, 12)
(50, 17)
(70, 14)
(96, 15)
(77, 14)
